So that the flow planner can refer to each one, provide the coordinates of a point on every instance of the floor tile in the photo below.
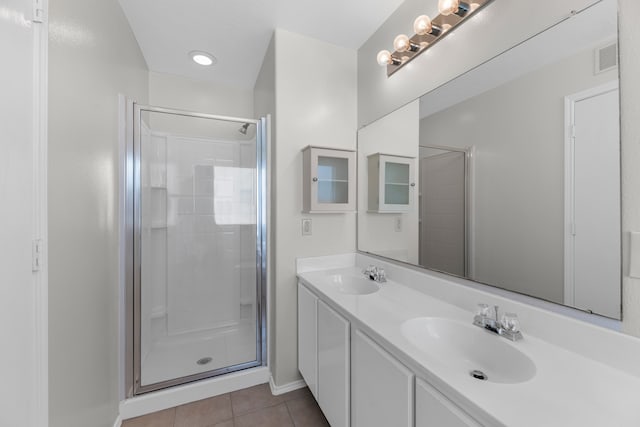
(297, 394)
(253, 398)
(204, 413)
(274, 416)
(306, 413)
(164, 418)
(228, 423)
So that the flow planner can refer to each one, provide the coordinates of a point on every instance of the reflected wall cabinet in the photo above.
(329, 180)
(391, 183)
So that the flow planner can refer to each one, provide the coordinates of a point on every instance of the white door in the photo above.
(442, 212)
(381, 386)
(433, 409)
(333, 365)
(594, 235)
(308, 338)
(23, 299)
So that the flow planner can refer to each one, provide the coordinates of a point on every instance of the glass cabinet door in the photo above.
(329, 180)
(396, 183)
(391, 183)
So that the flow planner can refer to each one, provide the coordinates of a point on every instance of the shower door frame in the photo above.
(133, 247)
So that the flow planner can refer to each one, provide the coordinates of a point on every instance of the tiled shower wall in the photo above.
(198, 235)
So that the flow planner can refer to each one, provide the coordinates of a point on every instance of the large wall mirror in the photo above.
(508, 175)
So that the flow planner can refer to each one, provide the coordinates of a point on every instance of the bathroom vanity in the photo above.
(394, 354)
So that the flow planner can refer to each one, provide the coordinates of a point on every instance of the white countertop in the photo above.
(567, 390)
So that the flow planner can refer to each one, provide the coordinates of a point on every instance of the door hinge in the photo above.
(572, 131)
(38, 11)
(36, 254)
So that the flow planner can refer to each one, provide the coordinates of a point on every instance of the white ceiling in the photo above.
(237, 32)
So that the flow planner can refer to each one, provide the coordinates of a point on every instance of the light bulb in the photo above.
(401, 43)
(447, 7)
(384, 58)
(422, 25)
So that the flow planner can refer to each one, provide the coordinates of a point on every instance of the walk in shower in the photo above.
(196, 247)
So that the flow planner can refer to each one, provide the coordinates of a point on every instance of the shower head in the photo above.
(243, 129)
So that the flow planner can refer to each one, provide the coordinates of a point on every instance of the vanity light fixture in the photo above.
(202, 58)
(428, 32)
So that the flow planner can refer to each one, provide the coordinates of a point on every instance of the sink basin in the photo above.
(467, 348)
(353, 285)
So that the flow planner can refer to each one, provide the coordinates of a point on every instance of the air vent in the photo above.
(606, 58)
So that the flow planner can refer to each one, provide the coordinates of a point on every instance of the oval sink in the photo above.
(467, 348)
(353, 285)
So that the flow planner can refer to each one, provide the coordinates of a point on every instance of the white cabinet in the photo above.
(328, 180)
(433, 409)
(333, 366)
(381, 387)
(391, 183)
(357, 383)
(323, 356)
(307, 338)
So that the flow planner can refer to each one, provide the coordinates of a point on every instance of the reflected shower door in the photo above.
(198, 246)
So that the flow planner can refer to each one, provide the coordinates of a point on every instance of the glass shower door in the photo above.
(198, 246)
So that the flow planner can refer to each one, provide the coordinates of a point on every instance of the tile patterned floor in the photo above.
(250, 407)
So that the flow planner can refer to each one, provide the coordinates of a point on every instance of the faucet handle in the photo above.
(510, 322)
(482, 310)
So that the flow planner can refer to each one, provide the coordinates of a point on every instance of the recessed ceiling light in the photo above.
(202, 58)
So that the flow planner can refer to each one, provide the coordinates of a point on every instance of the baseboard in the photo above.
(117, 422)
(276, 390)
(174, 396)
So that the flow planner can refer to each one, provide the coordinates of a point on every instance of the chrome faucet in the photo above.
(376, 274)
(507, 327)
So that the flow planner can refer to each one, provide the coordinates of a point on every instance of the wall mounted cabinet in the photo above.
(391, 183)
(329, 179)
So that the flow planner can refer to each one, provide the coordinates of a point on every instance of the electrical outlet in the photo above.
(397, 223)
(306, 226)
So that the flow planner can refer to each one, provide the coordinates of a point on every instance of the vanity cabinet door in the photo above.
(433, 409)
(333, 366)
(381, 387)
(307, 338)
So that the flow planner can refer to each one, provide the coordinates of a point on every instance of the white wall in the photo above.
(491, 31)
(18, 358)
(171, 91)
(93, 57)
(630, 129)
(378, 95)
(517, 130)
(315, 104)
(396, 134)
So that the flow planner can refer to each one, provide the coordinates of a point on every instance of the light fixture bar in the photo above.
(441, 25)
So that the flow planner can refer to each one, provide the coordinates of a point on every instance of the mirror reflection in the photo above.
(510, 172)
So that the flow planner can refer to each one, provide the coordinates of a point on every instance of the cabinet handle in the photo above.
(413, 184)
(314, 179)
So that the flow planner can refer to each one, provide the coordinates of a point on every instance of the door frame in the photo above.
(569, 181)
(130, 243)
(469, 203)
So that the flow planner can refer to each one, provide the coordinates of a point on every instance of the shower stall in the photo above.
(195, 247)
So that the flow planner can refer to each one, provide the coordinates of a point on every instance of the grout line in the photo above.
(290, 416)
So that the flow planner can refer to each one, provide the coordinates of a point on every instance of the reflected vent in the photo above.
(606, 58)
